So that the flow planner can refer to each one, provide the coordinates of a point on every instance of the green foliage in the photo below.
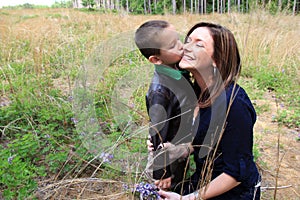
(88, 3)
(17, 171)
(260, 109)
(35, 130)
(256, 152)
(252, 88)
(281, 82)
(62, 4)
(57, 16)
(289, 118)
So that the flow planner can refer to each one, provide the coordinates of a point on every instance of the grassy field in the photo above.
(73, 120)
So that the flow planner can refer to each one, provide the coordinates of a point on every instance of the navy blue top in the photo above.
(234, 154)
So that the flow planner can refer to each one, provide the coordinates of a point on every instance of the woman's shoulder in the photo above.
(237, 93)
(239, 100)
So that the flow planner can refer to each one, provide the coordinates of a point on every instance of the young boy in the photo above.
(169, 99)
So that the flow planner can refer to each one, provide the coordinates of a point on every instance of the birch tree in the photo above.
(145, 7)
(149, 6)
(174, 6)
(294, 7)
(228, 5)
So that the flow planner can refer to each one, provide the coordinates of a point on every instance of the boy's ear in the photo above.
(155, 60)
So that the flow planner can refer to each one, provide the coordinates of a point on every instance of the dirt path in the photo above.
(268, 135)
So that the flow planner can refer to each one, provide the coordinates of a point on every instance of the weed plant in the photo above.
(41, 53)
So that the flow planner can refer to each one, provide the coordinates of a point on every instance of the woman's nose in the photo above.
(186, 47)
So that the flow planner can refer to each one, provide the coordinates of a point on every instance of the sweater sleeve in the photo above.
(237, 141)
(158, 104)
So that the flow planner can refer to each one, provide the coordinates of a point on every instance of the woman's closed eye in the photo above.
(200, 44)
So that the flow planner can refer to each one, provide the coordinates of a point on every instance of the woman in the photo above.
(223, 138)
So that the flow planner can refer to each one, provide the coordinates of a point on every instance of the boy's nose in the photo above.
(180, 45)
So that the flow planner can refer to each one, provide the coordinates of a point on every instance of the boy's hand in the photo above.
(180, 151)
(149, 145)
(164, 183)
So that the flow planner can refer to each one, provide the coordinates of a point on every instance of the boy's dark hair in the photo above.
(147, 37)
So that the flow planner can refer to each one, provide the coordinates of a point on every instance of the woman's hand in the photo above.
(169, 195)
(173, 196)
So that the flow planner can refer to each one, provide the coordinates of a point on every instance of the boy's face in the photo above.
(171, 50)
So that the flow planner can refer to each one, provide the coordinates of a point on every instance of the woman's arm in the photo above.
(218, 186)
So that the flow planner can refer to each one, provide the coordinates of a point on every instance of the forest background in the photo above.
(73, 119)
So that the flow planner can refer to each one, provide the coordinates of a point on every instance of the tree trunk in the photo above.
(107, 4)
(112, 4)
(118, 4)
(218, 3)
(75, 4)
(279, 5)
(201, 6)
(149, 6)
(294, 7)
(228, 4)
(213, 6)
(239, 5)
(184, 6)
(97, 2)
(205, 2)
(127, 6)
(191, 6)
(145, 7)
(103, 4)
(221, 6)
(174, 6)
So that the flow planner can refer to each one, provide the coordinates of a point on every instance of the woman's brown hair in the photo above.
(227, 58)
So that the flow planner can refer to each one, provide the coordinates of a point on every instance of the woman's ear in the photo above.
(155, 60)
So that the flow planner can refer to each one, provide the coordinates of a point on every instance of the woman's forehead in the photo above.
(201, 32)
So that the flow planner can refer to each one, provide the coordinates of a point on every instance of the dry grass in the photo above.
(48, 30)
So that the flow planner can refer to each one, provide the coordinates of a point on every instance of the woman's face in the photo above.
(198, 51)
